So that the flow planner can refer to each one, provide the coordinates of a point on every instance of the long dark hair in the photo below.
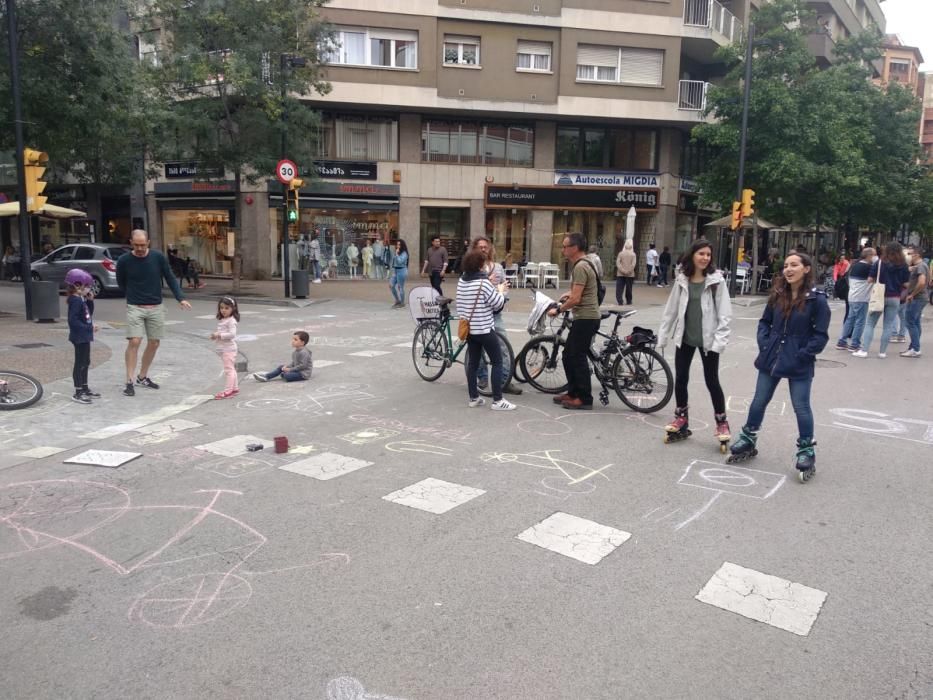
(686, 260)
(893, 254)
(782, 296)
(231, 302)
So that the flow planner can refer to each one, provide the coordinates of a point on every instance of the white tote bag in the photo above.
(876, 300)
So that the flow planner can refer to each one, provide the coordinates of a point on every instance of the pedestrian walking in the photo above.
(193, 274)
(299, 369)
(228, 316)
(626, 261)
(857, 301)
(915, 300)
(584, 300)
(435, 263)
(139, 275)
(890, 270)
(477, 302)
(841, 281)
(81, 331)
(651, 260)
(593, 257)
(11, 264)
(792, 331)
(664, 264)
(399, 267)
(697, 317)
(314, 258)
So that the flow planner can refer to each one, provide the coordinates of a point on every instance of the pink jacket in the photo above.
(226, 329)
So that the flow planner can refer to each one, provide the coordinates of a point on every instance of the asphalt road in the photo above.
(202, 570)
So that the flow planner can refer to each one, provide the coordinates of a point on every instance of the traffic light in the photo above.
(748, 202)
(35, 167)
(294, 205)
(736, 216)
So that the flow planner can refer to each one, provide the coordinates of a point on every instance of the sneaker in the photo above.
(660, 286)
(128, 390)
(90, 393)
(502, 405)
(910, 353)
(842, 346)
(226, 394)
(897, 339)
(854, 348)
(882, 355)
(475, 403)
(260, 377)
(859, 353)
(80, 397)
(146, 382)
(201, 286)
(315, 281)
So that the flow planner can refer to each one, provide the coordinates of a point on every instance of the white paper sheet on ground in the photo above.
(434, 495)
(103, 458)
(326, 465)
(575, 537)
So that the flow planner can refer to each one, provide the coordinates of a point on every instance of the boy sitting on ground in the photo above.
(300, 367)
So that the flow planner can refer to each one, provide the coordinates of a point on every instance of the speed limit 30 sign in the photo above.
(286, 171)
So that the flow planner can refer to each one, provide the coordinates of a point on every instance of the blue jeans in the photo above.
(914, 312)
(902, 321)
(799, 397)
(891, 309)
(397, 284)
(290, 376)
(316, 267)
(854, 323)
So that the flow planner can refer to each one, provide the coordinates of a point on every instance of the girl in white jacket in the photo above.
(697, 317)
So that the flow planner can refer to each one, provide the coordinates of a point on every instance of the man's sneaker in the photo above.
(146, 382)
(910, 353)
(882, 355)
(854, 348)
(128, 390)
(90, 393)
(316, 281)
(475, 403)
(859, 353)
(260, 377)
(502, 405)
(842, 346)
(897, 339)
(80, 397)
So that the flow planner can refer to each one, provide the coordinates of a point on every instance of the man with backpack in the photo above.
(584, 299)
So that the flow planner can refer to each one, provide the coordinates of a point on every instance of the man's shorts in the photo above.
(145, 321)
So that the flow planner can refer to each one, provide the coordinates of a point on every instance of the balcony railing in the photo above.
(711, 15)
(692, 95)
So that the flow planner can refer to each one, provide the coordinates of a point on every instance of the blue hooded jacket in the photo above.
(788, 346)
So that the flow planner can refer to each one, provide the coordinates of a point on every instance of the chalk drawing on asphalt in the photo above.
(348, 688)
(721, 479)
(575, 476)
(882, 424)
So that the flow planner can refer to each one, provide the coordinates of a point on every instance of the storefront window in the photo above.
(202, 235)
(452, 225)
(602, 229)
(508, 231)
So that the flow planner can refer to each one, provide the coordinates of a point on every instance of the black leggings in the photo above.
(682, 359)
(82, 362)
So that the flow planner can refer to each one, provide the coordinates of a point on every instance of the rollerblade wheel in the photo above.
(805, 475)
(723, 447)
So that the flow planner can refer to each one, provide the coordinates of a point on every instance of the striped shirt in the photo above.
(487, 300)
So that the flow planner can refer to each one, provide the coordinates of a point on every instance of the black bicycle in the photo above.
(630, 366)
(18, 390)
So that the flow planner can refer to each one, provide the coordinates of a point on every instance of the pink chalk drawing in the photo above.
(40, 515)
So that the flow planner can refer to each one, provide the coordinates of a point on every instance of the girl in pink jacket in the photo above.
(225, 336)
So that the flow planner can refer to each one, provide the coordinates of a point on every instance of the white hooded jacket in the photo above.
(715, 307)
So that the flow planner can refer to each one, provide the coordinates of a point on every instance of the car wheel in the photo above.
(96, 287)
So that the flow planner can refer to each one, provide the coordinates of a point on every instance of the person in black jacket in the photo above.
(792, 331)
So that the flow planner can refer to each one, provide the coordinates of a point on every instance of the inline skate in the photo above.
(678, 429)
(806, 459)
(722, 432)
(745, 447)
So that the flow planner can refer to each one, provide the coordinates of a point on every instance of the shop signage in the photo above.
(194, 187)
(351, 189)
(191, 168)
(543, 197)
(575, 178)
(689, 185)
(345, 170)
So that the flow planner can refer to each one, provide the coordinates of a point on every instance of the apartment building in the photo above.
(926, 128)
(901, 64)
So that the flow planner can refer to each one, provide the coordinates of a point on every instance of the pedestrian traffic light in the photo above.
(34, 162)
(736, 216)
(748, 202)
(294, 204)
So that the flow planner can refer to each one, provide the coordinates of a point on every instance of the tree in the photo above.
(824, 145)
(84, 100)
(219, 74)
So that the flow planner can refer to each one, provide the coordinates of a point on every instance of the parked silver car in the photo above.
(97, 259)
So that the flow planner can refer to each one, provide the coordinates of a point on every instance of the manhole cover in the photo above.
(32, 346)
(830, 364)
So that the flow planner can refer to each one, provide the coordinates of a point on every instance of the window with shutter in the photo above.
(597, 63)
(641, 66)
(533, 56)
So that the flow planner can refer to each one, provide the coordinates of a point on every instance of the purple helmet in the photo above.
(78, 277)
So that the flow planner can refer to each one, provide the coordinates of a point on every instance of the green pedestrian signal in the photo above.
(292, 215)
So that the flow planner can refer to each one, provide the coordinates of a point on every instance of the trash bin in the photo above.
(45, 304)
(300, 284)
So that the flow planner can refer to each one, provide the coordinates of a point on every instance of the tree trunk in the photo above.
(237, 235)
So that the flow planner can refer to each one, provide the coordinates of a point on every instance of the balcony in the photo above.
(707, 26)
(691, 95)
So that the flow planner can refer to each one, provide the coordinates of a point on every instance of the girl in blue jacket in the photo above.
(792, 331)
(81, 331)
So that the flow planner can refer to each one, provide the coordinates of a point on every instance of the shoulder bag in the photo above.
(600, 287)
(876, 300)
(463, 328)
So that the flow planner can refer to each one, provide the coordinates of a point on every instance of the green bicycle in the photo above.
(434, 348)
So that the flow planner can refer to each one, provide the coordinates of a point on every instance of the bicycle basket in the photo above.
(642, 336)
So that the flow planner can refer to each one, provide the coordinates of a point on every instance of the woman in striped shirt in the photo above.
(477, 301)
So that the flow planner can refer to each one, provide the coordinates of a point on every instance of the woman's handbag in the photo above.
(463, 328)
(876, 300)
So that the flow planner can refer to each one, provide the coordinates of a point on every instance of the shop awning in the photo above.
(726, 221)
(50, 210)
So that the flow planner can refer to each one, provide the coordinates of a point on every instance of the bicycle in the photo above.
(18, 390)
(433, 349)
(630, 366)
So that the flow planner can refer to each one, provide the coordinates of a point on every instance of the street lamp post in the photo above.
(286, 61)
(743, 142)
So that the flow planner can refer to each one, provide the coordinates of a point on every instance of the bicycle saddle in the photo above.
(443, 301)
(620, 314)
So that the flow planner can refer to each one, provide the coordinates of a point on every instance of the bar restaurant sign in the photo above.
(571, 198)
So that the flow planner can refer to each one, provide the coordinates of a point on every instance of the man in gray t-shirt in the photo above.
(916, 299)
(436, 262)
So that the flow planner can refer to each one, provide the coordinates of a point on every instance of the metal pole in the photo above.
(283, 65)
(742, 144)
(25, 248)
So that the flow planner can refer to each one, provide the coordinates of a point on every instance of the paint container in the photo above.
(281, 444)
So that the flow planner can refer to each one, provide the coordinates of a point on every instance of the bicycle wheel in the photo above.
(642, 379)
(543, 366)
(430, 350)
(18, 390)
(508, 361)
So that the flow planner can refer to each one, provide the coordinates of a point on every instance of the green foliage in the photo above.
(823, 143)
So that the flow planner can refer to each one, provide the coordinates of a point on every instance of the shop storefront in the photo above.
(451, 223)
(197, 218)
